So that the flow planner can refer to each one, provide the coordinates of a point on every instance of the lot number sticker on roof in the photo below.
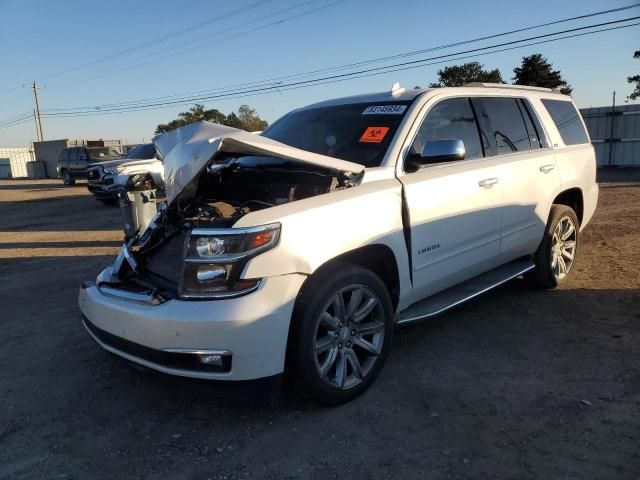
(374, 134)
(385, 110)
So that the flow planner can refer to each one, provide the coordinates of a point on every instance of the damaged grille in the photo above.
(167, 260)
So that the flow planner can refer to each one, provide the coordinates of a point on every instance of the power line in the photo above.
(137, 64)
(272, 81)
(83, 110)
(163, 38)
(409, 67)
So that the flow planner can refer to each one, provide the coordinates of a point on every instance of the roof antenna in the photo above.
(396, 89)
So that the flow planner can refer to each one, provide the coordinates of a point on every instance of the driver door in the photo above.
(454, 207)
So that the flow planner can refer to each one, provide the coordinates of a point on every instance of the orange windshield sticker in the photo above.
(374, 134)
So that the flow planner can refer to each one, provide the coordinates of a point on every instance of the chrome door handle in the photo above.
(547, 168)
(488, 182)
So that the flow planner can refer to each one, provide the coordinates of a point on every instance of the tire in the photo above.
(67, 179)
(107, 201)
(554, 261)
(336, 356)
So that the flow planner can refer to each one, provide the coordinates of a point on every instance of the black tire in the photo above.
(67, 179)
(303, 360)
(544, 275)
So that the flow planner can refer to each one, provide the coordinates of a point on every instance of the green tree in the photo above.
(232, 120)
(245, 119)
(194, 114)
(635, 79)
(458, 75)
(536, 71)
(250, 120)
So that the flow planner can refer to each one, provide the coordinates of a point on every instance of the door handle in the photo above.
(488, 182)
(547, 168)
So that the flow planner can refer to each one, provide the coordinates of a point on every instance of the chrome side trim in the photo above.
(222, 295)
(235, 231)
(146, 299)
(409, 320)
(197, 351)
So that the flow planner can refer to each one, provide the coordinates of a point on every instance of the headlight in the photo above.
(113, 170)
(216, 257)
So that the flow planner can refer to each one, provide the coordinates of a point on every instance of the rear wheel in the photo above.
(556, 254)
(341, 333)
(67, 179)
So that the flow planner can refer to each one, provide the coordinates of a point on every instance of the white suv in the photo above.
(300, 249)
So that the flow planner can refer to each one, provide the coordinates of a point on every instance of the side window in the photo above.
(74, 155)
(567, 120)
(534, 141)
(64, 155)
(82, 154)
(451, 119)
(504, 124)
(531, 117)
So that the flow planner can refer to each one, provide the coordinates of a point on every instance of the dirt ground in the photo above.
(516, 384)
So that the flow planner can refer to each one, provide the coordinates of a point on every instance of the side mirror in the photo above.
(436, 151)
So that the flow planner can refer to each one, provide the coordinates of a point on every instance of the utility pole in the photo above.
(35, 119)
(35, 87)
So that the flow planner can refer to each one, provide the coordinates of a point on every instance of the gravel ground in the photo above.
(516, 384)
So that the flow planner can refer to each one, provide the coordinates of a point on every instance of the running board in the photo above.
(462, 292)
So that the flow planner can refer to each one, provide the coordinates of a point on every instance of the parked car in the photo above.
(107, 178)
(73, 161)
(303, 248)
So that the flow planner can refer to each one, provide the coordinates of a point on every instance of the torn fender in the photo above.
(187, 151)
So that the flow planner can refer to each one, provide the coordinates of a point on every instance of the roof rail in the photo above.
(505, 85)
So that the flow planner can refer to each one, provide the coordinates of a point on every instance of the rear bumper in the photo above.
(253, 329)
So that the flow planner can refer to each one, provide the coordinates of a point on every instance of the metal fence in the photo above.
(13, 161)
(615, 134)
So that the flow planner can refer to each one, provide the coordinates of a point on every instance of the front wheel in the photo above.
(556, 254)
(67, 179)
(341, 333)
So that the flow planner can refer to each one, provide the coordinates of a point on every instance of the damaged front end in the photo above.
(214, 176)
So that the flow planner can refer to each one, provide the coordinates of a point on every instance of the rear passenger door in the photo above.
(73, 162)
(453, 207)
(528, 171)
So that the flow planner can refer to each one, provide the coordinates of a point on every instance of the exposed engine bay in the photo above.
(227, 192)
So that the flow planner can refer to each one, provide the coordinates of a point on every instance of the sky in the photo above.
(87, 53)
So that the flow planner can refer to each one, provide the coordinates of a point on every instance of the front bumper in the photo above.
(253, 329)
(105, 187)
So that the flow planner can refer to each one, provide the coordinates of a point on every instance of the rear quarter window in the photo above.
(567, 121)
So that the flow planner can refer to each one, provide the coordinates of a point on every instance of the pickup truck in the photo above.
(74, 161)
(107, 178)
(301, 249)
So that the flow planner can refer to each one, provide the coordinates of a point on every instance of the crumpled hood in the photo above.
(186, 151)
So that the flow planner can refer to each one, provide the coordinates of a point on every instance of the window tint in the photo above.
(143, 152)
(505, 124)
(82, 154)
(567, 120)
(64, 155)
(531, 118)
(358, 132)
(74, 154)
(534, 142)
(451, 119)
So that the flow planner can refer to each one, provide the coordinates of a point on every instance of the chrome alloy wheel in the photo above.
(349, 336)
(563, 247)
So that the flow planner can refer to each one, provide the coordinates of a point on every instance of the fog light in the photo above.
(208, 359)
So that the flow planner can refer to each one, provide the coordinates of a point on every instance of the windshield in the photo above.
(356, 132)
(102, 153)
(143, 152)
